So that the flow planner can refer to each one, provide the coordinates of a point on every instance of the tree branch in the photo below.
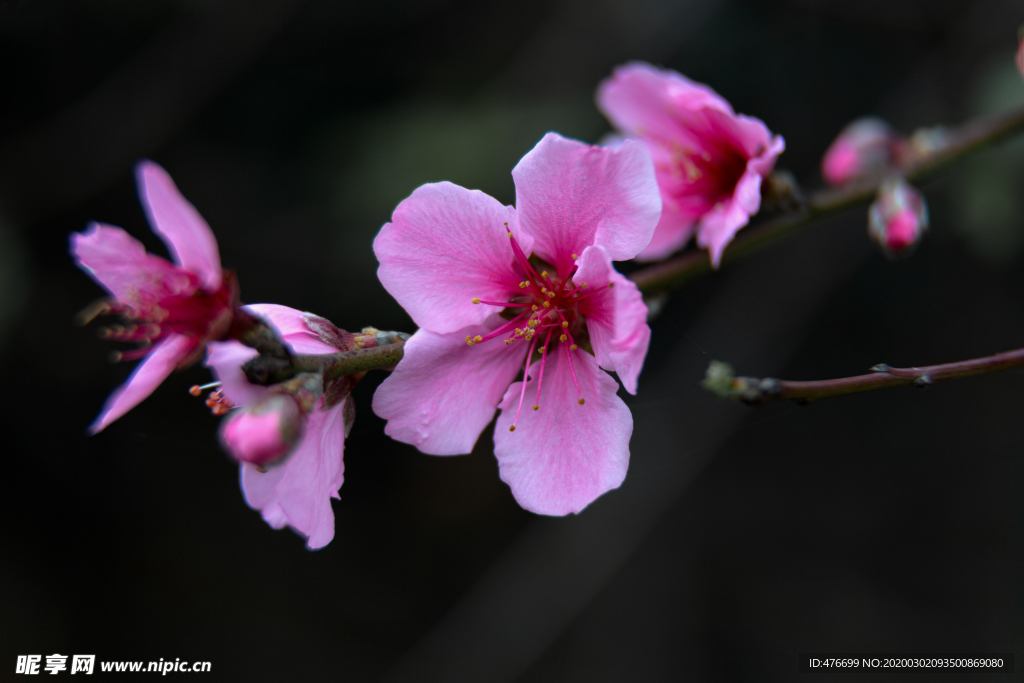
(953, 145)
(270, 370)
(754, 391)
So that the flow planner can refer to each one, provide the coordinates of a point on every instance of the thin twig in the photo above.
(958, 143)
(754, 391)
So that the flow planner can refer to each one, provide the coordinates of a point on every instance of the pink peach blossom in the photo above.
(459, 262)
(297, 490)
(709, 160)
(173, 308)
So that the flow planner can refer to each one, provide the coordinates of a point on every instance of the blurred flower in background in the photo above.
(709, 160)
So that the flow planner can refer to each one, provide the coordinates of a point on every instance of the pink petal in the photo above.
(291, 325)
(718, 226)
(444, 246)
(444, 392)
(297, 492)
(616, 317)
(642, 100)
(226, 360)
(674, 230)
(570, 195)
(186, 234)
(564, 455)
(148, 375)
(120, 264)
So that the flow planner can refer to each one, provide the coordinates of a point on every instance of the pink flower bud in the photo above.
(898, 218)
(866, 146)
(265, 432)
(1020, 51)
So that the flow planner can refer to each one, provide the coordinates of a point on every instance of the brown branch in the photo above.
(754, 391)
(956, 144)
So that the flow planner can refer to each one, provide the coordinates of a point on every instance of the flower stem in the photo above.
(957, 143)
(754, 391)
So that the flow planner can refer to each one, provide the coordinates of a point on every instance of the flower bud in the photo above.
(264, 432)
(866, 146)
(898, 218)
(1020, 49)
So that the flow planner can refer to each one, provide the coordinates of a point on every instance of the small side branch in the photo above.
(721, 380)
(271, 370)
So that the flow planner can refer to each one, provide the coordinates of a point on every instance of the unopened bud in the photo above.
(264, 432)
(867, 146)
(1020, 49)
(898, 218)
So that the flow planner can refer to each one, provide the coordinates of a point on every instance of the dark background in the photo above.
(881, 522)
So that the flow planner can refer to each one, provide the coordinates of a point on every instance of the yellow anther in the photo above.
(509, 341)
(476, 299)
(573, 347)
(574, 257)
(565, 323)
(547, 304)
(543, 290)
(610, 285)
(478, 339)
(562, 338)
(512, 428)
(469, 340)
(509, 234)
(535, 308)
(583, 285)
(533, 322)
(523, 284)
(543, 273)
(581, 401)
(536, 407)
(550, 294)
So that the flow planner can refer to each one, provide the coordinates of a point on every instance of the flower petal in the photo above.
(616, 317)
(570, 195)
(444, 246)
(674, 230)
(226, 360)
(718, 226)
(644, 101)
(186, 234)
(120, 264)
(291, 325)
(564, 455)
(298, 491)
(443, 393)
(148, 375)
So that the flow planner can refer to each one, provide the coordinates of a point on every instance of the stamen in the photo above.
(574, 257)
(504, 329)
(522, 394)
(543, 362)
(503, 304)
(565, 323)
(547, 304)
(476, 299)
(469, 340)
(568, 356)
(562, 338)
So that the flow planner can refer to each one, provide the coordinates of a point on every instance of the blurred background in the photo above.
(884, 522)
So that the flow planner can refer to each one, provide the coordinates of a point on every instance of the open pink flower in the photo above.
(296, 491)
(458, 261)
(173, 308)
(709, 160)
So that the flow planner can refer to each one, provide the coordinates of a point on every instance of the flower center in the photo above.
(545, 315)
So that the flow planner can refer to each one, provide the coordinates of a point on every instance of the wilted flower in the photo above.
(898, 218)
(295, 491)
(172, 309)
(867, 146)
(458, 261)
(709, 160)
